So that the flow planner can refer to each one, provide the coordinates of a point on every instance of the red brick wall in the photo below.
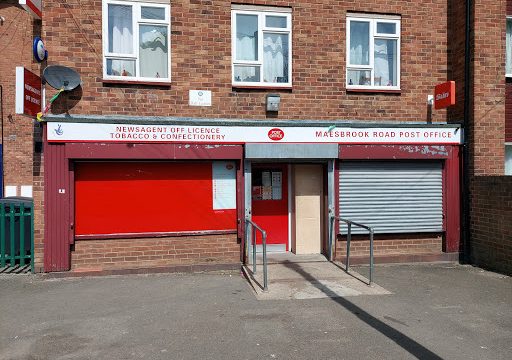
(22, 166)
(201, 59)
(154, 252)
(509, 7)
(488, 91)
(390, 245)
(490, 194)
(491, 223)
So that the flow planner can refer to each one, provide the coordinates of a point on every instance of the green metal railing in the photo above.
(16, 233)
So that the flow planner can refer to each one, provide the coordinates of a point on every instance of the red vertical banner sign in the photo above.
(28, 92)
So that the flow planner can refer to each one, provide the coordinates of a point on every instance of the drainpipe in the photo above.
(2, 128)
(466, 235)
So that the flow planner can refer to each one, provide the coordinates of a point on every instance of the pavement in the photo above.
(433, 311)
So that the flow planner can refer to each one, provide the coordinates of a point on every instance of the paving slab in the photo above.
(297, 277)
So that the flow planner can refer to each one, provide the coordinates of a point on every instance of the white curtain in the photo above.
(508, 159)
(120, 29)
(275, 58)
(153, 52)
(246, 49)
(508, 65)
(382, 63)
(359, 43)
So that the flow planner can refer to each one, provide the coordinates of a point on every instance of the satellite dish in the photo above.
(61, 77)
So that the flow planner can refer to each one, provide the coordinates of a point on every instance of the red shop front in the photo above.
(125, 205)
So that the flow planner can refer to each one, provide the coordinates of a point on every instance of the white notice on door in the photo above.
(277, 192)
(267, 193)
(277, 178)
(266, 179)
(224, 185)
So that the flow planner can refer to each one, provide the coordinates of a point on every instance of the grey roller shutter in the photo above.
(392, 197)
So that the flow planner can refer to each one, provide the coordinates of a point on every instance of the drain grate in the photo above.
(17, 269)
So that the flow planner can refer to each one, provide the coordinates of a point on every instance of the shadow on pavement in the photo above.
(402, 340)
(344, 269)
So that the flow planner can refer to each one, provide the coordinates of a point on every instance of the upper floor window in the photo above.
(136, 41)
(508, 64)
(261, 46)
(373, 52)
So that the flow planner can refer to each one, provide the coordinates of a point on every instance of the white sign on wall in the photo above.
(224, 185)
(11, 190)
(86, 132)
(26, 190)
(200, 98)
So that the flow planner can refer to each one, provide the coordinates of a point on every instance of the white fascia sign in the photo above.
(34, 7)
(149, 133)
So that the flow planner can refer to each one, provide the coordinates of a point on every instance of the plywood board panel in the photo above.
(308, 208)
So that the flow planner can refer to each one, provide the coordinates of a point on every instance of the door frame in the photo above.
(281, 223)
(329, 209)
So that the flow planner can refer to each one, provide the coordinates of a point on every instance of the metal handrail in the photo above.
(349, 238)
(255, 228)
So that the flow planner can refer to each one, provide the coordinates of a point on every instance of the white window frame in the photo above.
(508, 161)
(373, 20)
(262, 29)
(508, 75)
(136, 22)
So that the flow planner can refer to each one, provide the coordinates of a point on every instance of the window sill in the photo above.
(372, 90)
(137, 82)
(261, 87)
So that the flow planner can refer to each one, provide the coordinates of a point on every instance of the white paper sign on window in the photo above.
(277, 181)
(224, 185)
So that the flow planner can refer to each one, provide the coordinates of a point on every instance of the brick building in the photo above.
(21, 136)
(491, 191)
(193, 115)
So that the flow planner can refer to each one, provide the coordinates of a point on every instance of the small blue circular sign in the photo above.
(40, 52)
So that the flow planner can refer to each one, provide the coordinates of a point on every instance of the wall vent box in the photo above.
(273, 101)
